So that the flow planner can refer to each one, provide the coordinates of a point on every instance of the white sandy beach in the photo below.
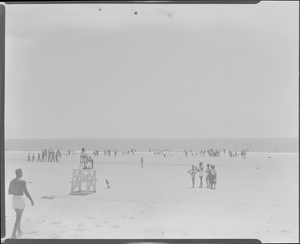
(157, 201)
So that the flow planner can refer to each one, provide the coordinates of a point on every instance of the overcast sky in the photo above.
(73, 71)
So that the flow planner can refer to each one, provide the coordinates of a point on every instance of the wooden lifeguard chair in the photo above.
(83, 176)
(86, 162)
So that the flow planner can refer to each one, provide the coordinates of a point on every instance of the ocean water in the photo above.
(144, 144)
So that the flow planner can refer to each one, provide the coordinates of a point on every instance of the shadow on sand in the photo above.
(81, 193)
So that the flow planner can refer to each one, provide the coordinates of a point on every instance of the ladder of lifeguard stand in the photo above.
(87, 176)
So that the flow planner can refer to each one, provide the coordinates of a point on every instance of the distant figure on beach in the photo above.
(28, 157)
(38, 158)
(207, 176)
(142, 162)
(49, 156)
(33, 157)
(243, 153)
(201, 174)
(56, 157)
(193, 172)
(17, 188)
(213, 177)
(107, 183)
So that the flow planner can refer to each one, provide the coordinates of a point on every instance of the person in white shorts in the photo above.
(17, 187)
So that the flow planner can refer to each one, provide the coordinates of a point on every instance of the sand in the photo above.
(157, 201)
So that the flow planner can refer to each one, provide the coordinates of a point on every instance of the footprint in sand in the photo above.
(283, 231)
(105, 222)
(90, 217)
(80, 229)
(115, 226)
(55, 223)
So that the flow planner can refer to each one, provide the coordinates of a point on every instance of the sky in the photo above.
(169, 71)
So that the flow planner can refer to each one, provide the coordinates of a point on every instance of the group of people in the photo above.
(95, 152)
(45, 156)
(69, 152)
(210, 175)
(109, 152)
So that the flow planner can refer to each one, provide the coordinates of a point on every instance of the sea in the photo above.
(166, 144)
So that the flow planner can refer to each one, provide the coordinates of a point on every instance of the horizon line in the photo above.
(80, 138)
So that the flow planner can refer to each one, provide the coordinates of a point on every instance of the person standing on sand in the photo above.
(201, 174)
(49, 155)
(213, 177)
(56, 157)
(17, 187)
(142, 162)
(193, 172)
(28, 157)
(53, 156)
(207, 176)
(38, 158)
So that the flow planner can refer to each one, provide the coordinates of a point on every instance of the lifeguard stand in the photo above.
(86, 176)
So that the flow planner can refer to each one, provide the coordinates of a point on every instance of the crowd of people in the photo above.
(210, 175)
(217, 153)
(49, 155)
(46, 155)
